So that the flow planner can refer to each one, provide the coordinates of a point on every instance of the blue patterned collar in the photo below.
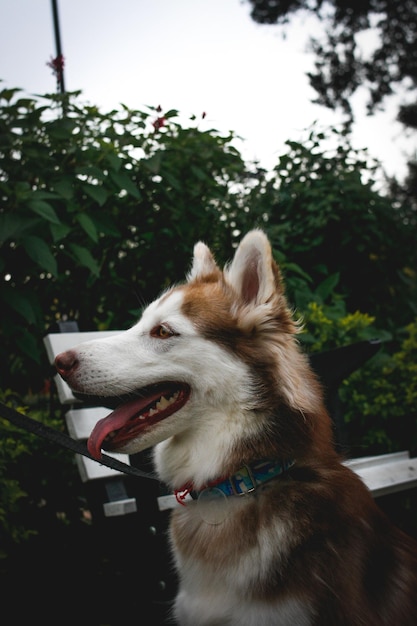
(244, 481)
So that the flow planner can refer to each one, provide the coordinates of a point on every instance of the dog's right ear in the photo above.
(203, 264)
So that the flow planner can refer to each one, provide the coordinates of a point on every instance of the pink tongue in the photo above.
(115, 421)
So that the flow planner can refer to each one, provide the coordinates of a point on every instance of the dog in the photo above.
(271, 529)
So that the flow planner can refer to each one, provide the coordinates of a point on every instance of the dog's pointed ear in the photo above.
(253, 273)
(203, 264)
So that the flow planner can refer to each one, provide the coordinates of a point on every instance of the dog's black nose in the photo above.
(66, 363)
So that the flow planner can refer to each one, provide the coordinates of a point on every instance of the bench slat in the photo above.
(120, 507)
(80, 422)
(387, 473)
(92, 470)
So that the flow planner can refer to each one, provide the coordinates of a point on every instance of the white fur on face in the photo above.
(218, 407)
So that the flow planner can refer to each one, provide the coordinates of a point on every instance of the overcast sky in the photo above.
(190, 55)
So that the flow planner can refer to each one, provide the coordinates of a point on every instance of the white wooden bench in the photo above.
(81, 420)
(387, 473)
(383, 474)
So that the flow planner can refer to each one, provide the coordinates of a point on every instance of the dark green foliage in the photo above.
(386, 392)
(328, 219)
(99, 212)
(33, 472)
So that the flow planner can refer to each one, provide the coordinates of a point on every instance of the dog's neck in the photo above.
(242, 482)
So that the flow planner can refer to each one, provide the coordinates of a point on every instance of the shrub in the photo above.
(381, 400)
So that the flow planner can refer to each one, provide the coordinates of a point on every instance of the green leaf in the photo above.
(88, 225)
(97, 193)
(171, 113)
(123, 181)
(26, 103)
(198, 172)
(62, 128)
(90, 171)
(12, 226)
(85, 258)
(38, 250)
(19, 303)
(293, 267)
(44, 209)
(153, 164)
(105, 223)
(28, 344)
(7, 94)
(173, 181)
(65, 189)
(41, 194)
(114, 161)
(328, 285)
(59, 231)
(22, 190)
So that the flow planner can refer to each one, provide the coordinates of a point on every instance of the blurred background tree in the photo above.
(386, 65)
(325, 214)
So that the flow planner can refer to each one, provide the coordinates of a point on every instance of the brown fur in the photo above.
(339, 554)
(308, 548)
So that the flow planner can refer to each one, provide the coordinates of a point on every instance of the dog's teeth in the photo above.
(162, 403)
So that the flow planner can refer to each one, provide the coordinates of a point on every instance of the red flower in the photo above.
(57, 66)
(158, 123)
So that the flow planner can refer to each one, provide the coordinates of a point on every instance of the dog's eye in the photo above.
(162, 331)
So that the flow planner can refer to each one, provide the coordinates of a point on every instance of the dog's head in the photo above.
(212, 367)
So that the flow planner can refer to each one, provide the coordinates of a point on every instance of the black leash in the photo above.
(80, 447)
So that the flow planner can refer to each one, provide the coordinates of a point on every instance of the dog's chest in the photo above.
(237, 536)
(225, 609)
(226, 570)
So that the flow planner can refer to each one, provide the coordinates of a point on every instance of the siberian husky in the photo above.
(271, 528)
